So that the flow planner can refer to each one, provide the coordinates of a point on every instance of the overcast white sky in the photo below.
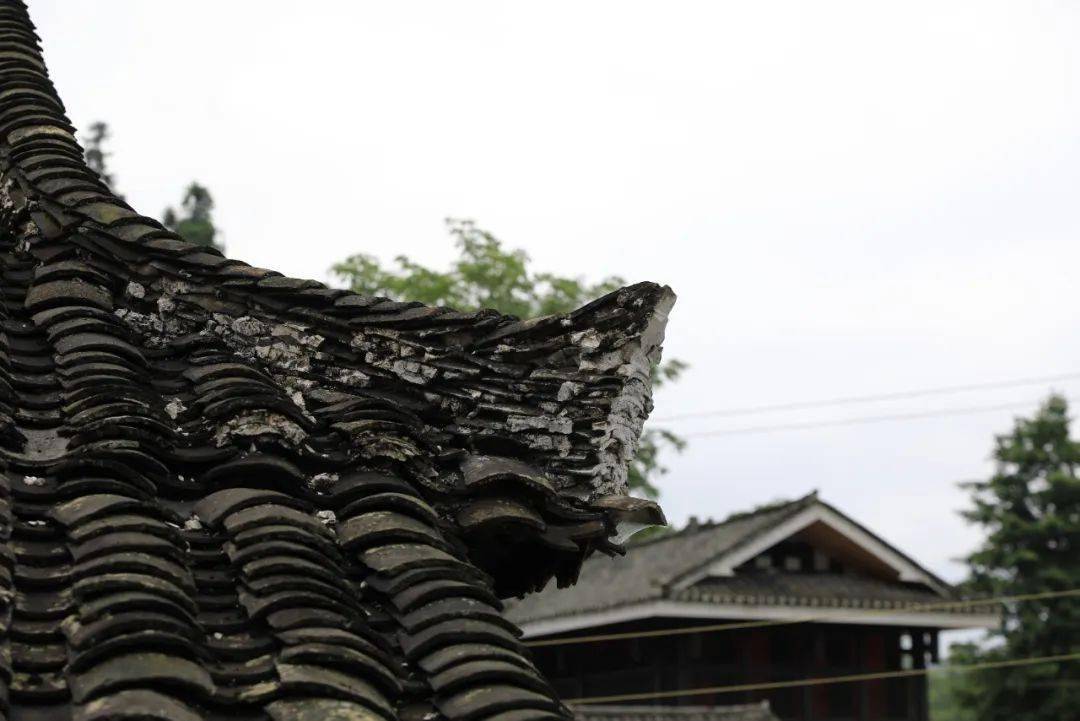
(848, 197)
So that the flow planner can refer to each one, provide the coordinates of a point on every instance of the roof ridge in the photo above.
(709, 525)
(781, 510)
(773, 506)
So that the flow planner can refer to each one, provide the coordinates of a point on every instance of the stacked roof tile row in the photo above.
(229, 493)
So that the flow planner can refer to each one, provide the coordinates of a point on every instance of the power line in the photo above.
(773, 685)
(969, 410)
(731, 626)
(852, 400)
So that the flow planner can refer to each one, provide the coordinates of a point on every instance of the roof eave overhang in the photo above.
(745, 612)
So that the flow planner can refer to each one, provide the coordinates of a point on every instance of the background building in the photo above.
(874, 609)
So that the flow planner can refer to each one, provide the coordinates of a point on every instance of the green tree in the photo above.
(194, 222)
(1030, 510)
(945, 689)
(96, 155)
(487, 275)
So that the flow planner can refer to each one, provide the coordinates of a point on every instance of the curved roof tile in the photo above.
(230, 493)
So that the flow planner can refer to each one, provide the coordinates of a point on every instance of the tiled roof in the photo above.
(742, 712)
(819, 590)
(227, 493)
(646, 571)
(650, 570)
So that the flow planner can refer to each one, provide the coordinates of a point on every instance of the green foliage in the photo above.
(194, 222)
(944, 692)
(486, 275)
(1030, 510)
(96, 155)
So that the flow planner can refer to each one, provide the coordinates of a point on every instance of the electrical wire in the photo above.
(970, 410)
(852, 400)
(823, 680)
(851, 678)
(731, 626)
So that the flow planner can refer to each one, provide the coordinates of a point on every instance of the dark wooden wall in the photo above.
(755, 655)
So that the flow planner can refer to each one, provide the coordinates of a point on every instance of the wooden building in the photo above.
(874, 609)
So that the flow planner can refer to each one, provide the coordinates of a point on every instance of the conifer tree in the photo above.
(1030, 510)
(96, 155)
(194, 221)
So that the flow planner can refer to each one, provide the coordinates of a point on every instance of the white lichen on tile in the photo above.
(254, 423)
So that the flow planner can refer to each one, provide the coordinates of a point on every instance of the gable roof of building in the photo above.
(649, 568)
(230, 493)
(786, 519)
(690, 572)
